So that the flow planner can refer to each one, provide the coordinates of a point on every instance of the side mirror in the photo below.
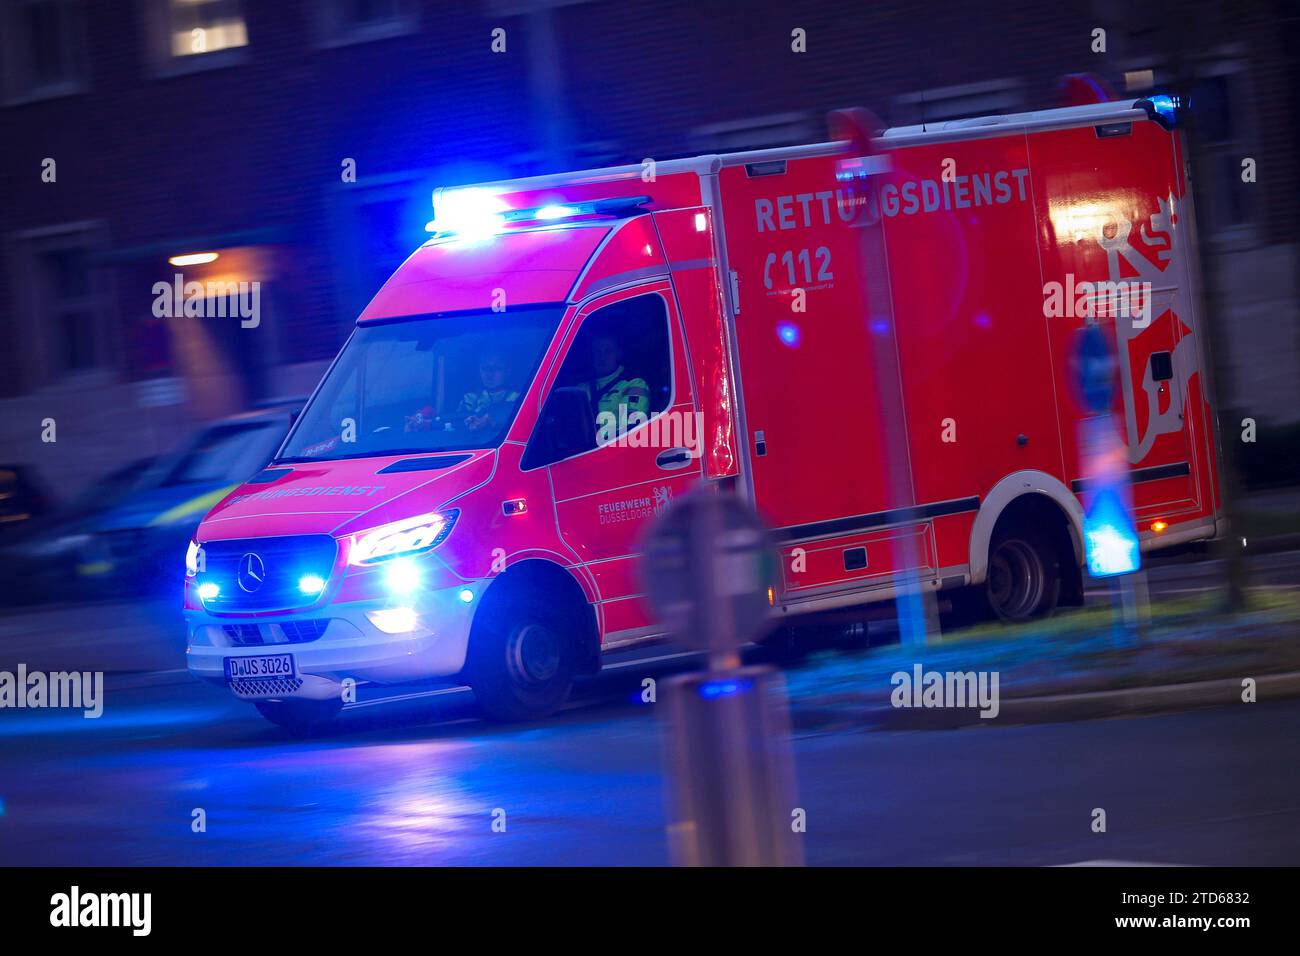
(567, 427)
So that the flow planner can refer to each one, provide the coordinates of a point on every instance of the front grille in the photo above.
(300, 632)
(285, 632)
(243, 635)
(277, 565)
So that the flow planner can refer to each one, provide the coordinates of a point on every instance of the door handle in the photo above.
(673, 458)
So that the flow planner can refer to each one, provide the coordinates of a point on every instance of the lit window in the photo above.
(196, 27)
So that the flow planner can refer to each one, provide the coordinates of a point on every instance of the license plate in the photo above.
(259, 668)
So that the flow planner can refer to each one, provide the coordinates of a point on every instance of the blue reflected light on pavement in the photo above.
(61, 721)
(1112, 542)
(724, 688)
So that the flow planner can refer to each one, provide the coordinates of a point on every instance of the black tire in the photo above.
(1024, 575)
(300, 717)
(523, 657)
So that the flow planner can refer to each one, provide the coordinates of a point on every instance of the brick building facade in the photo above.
(141, 130)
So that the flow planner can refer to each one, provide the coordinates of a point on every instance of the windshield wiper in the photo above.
(387, 452)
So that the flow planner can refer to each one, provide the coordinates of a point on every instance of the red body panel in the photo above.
(632, 254)
(454, 275)
(1090, 187)
(338, 497)
(688, 238)
(605, 497)
(974, 232)
(775, 359)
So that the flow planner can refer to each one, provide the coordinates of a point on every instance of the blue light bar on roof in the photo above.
(1163, 108)
(475, 211)
(615, 206)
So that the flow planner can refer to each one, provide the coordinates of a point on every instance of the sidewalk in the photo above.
(1068, 667)
(100, 636)
(1271, 519)
(1073, 666)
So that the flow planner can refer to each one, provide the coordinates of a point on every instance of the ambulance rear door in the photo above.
(801, 340)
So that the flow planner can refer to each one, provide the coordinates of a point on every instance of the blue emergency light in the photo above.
(1164, 107)
(726, 687)
(1110, 539)
(476, 212)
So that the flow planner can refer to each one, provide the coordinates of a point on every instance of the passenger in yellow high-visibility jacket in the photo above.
(614, 392)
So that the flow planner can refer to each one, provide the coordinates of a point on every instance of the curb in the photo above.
(1092, 705)
(1276, 544)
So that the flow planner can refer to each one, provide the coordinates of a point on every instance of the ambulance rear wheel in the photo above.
(522, 659)
(1024, 575)
(300, 717)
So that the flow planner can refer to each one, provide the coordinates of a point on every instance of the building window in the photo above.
(374, 224)
(65, 277)
(188, 35)
(40, 49)
(756, 132)
(205, 26)
(61, 325)
(341, 22)
(1224, 127)
(1222, 121)
(945, 103)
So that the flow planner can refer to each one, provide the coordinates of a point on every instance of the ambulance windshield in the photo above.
(424, 384)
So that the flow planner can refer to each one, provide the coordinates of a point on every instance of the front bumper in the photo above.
(350, 645)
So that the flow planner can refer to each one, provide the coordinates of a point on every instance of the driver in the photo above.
(490, 406)
(486, 409)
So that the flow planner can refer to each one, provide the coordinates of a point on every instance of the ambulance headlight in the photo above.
(402, 538)
(402, 576)
(192, 559)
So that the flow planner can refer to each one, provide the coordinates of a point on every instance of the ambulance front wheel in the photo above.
(522, 658)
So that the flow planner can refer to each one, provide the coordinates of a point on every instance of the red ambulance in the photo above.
(467, 489)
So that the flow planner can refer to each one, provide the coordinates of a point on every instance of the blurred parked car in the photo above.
(137, 547)
(21, 499)
(38, 557)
